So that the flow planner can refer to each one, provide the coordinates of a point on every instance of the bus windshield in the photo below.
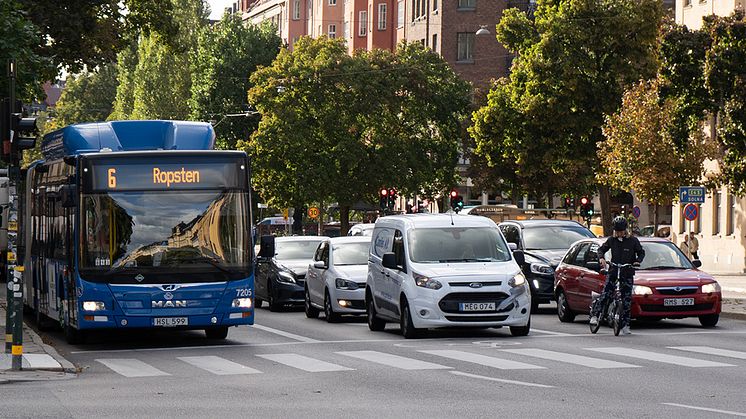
(166, 232)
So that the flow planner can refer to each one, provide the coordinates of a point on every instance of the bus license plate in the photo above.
(476, 307)
(672, 302)
(170, 321)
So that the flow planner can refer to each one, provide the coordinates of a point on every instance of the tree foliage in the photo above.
(87, 97)
(336, 128)
(227, 54)
(641, 153)
(573, 64)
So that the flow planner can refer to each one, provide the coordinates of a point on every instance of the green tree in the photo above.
(227, 54)
(573, 64)
(322, 138)
(87, 97)
(641, 152)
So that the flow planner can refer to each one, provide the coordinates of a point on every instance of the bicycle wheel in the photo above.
(594, 328)
(616, 317)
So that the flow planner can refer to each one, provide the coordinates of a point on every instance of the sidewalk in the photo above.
(39, 359)
(734, 295)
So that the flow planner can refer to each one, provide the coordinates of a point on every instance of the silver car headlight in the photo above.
(541, 269)
(343, 284)
(285, 277)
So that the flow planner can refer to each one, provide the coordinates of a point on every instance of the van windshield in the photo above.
(449, 244)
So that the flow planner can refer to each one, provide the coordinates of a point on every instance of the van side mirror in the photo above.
(267, 247)
(512, 246)
(389, 260)
(697, 263)
(319, 264)
(519, 257)
(68, 196)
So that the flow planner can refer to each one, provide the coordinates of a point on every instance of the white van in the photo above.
(437, 270)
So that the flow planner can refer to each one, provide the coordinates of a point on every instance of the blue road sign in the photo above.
(691, 212)
(636, 211)
(692, 194)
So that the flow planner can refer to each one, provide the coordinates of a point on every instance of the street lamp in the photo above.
(483, 30)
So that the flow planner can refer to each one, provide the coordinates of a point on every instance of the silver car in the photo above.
(335, 282)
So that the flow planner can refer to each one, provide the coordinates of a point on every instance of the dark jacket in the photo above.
(627, 250)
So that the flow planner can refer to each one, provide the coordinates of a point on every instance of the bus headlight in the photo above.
(242, 303)
(517, 280)
(93, 306)
(708, 288)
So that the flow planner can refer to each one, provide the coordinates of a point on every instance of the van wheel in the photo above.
(407, 327)
(331, 316)
(311, 311)
(521, 330)
(563, 309)
(374, 323)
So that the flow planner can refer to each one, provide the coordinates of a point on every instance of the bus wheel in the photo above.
(74, 336)
(220, 332)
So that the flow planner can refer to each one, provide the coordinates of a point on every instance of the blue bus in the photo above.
(138, 224)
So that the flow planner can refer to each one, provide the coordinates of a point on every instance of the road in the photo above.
(290, 366)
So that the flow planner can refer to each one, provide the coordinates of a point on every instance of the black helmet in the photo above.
(620, 223)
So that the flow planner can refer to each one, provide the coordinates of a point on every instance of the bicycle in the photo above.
(611, 312)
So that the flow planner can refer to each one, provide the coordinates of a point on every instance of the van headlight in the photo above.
(427, 282)
(517, 281)
(285, 276)
(541, 269)
(708, 288)
(343, 284)
(642, 290)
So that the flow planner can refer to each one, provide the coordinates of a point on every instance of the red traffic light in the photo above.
(384, 192)
(454, 194)
(584, 200)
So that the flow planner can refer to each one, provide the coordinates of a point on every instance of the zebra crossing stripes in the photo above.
(304, 363)
(488, 361)
(585, 361)
(218, 365)
(395, 361)
(660, 357)
(711, 351)
(131, 367)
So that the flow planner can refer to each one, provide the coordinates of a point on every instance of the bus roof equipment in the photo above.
(128, 136)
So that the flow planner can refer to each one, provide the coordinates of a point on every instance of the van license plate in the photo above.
(672, 302)
(170, 321)
(476, 306)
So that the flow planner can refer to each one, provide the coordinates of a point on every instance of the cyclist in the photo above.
(625, 249)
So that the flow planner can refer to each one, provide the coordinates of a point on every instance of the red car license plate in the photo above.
(672, 302)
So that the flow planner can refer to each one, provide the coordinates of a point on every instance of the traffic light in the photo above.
(384, 199)
(570, 203)
(586, 208)
(457, 201)
(392, 194)
(24, 134)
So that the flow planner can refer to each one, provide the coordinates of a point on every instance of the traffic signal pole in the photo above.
(14, 308)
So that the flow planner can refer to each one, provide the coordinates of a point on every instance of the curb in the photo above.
(65, 365)
(733, 315)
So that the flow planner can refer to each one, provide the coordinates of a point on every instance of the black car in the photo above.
(281, 270)
(544, 243)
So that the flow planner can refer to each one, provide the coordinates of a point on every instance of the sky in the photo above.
(217, 7)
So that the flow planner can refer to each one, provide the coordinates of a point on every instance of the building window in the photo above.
(687, 3)
(465, 51)
(332, 2)
(435, 42)
(435, 5)
(347, 29)
(363, 23)
(467, 4)
(382, 16)
(731, 223)
(717, 206)
(332, 31)
(400, 14)
(296, 9)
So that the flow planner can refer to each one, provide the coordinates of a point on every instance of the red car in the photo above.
(667, 284)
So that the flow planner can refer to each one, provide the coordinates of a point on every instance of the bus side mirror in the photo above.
(267, 247)
(68, 195)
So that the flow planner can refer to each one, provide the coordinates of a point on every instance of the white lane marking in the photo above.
(707, 409)
(499, 380)
(585, 361)
(488, 361)
(39, 361)
(659, 357)
(395, 361)
(548, 332)
(711, 351)
(289, 335)
(131, 367)
(304, 363)
(218, 365)
(238, 345)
